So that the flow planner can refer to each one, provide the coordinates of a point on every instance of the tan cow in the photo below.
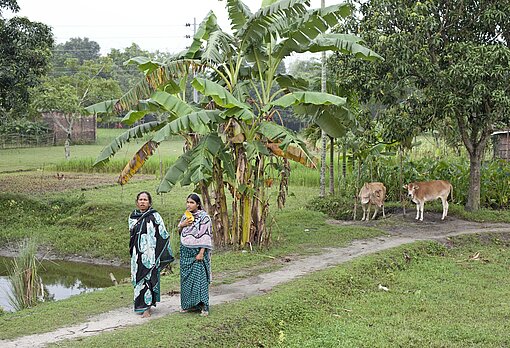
(372, 193)
(421, 192)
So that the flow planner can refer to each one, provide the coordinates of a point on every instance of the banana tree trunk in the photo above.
(284, 184)
(220, 214)
(331, 166)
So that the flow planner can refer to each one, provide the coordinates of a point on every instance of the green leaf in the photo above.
(158, 78)
(171, 103)
(315, 98)
(205, 28)
(201, 122)
(345, 43)
(291, 82)
(146, 65)
(218, 93)
(133, 133)
(141, 109)
(267, 20)
(254, 148)
(195, 165)
(335, 121)
(238, 13)
(104, 107)
(219, 47)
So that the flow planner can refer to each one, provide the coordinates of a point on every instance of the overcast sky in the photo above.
(153, 24)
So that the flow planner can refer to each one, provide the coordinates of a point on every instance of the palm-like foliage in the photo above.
(231, 137)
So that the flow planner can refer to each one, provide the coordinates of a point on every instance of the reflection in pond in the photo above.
(63, 279)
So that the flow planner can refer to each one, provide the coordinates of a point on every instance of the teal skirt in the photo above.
(195, 278)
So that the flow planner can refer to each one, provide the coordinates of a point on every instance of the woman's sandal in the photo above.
(184, 310)
(204, 313)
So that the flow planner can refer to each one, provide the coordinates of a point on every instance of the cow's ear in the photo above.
(416, 187)
(405, 186)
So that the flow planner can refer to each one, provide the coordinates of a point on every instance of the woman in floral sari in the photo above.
(149, 246)
(195, 260)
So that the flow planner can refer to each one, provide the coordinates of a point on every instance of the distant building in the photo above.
(501, 141)
(84, 129)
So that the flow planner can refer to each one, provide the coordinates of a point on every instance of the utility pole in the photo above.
(195, 92)
(323, 134)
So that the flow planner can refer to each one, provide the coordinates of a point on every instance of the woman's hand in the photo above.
(185, 223)
(200, 255)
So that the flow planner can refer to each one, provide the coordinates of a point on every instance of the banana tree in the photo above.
(233, 143)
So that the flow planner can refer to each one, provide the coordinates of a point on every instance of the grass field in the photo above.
(51, 157)
(341, 307)
(437, 297)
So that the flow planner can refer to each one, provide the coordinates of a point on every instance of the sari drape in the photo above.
(150, 251)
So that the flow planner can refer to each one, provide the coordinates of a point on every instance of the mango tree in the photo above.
(447, 62)
(233, 143)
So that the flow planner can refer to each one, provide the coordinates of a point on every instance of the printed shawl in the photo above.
(150, 251)
(199, 233)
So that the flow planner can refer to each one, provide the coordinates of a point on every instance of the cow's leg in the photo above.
(417, 211)
(383, 215)
(445, 207)
(368, 211)
(375, 212)
(421, 210)
(364, 206)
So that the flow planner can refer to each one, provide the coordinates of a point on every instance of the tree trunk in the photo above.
(331, 166)
(475, 164)
(323, 149)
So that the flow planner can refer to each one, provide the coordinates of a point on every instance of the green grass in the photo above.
(94, 223)
(82, 156)
(438, 298)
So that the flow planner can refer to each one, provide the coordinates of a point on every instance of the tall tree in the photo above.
(444, 60)
(233, 143)
(82, 49)
(25, 51)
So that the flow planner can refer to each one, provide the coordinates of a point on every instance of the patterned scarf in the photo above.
(199, 233)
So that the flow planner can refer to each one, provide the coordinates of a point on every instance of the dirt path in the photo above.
(401, 230)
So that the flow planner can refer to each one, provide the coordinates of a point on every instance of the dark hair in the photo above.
(148, 195)
(196, 199)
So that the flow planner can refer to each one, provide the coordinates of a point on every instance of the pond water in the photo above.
(63, 279)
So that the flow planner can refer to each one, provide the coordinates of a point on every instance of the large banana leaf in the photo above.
(335, 121)
(205, 28)
(157, 79)
(195, 165)
(300, 31)
(239, 14)
(304, 97)
(137, 161)
(145, 65)
(267, 20)
(140, 110)
(292, 83)
(133, 133)
(104, 107)
(326, 110)
(219, 47)
(171, 103)
(345, 43)
(201, 122)
(218, 93)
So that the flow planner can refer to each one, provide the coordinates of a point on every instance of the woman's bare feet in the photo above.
(147, 313)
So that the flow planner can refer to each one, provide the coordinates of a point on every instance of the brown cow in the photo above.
(372, 193)
(421, 192)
